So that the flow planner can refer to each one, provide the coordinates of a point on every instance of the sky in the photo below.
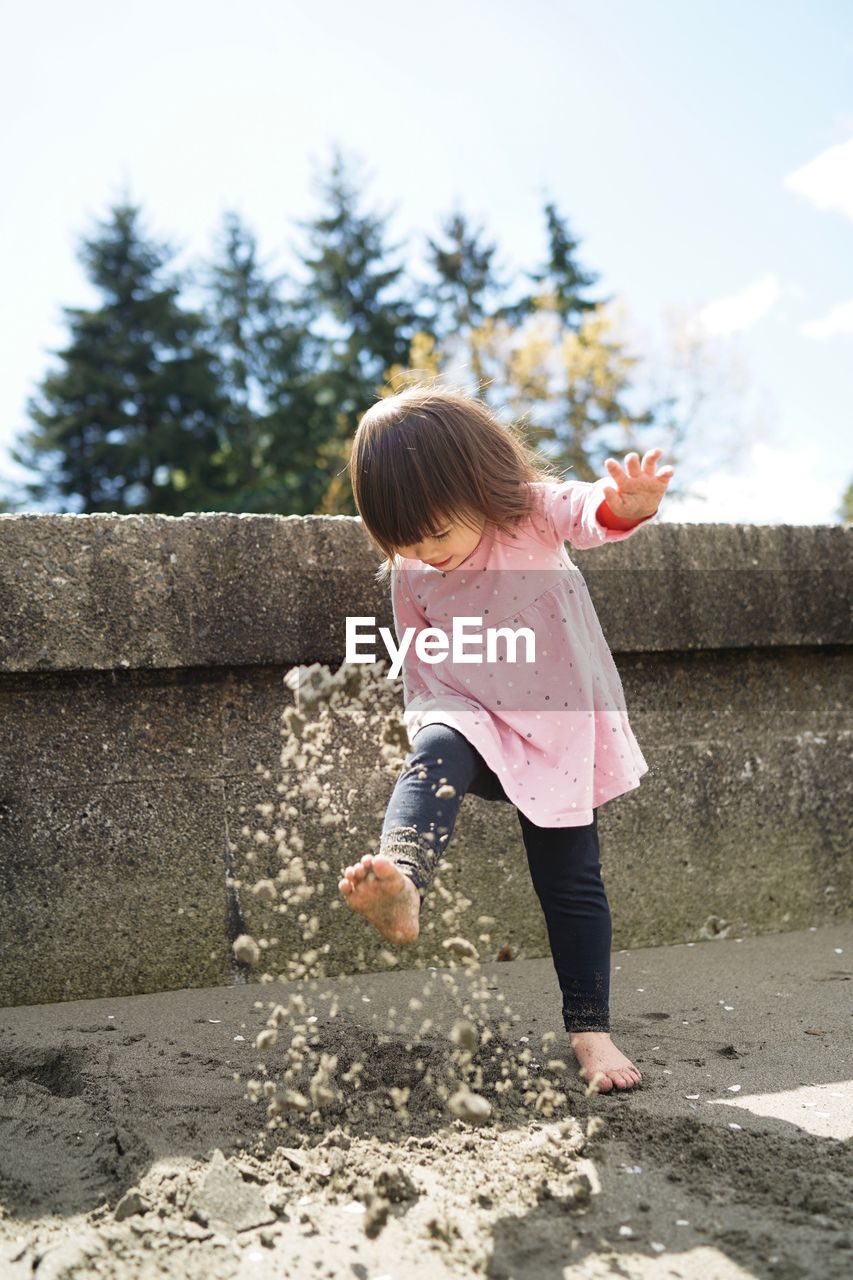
(701, 152)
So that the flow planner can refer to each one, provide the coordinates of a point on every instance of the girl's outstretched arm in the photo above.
(625, 498)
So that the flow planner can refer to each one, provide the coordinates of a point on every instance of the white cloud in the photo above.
(774, 485)
(827, 181)
(837, 321)
(739, 310)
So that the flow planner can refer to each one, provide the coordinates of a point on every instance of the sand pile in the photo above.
(428, 1207)
(378, 1176)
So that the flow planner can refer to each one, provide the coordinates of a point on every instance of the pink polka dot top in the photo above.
(546, 710)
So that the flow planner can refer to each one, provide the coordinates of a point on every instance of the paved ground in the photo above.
(732, 1159)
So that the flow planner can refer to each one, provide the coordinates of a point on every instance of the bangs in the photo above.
(405, 494)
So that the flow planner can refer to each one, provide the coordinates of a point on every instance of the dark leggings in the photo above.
(564, 863)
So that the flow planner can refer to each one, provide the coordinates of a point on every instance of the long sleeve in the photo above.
(408, 613)
(610, 520)
(571, 508)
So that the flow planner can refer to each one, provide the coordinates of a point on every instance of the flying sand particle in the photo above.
(246, 950)
(460, 947)
(469, 1107)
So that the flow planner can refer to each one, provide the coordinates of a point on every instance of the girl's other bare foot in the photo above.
(377, 888)
(595, 1051)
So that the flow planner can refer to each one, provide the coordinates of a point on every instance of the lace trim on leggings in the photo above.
(414, 853)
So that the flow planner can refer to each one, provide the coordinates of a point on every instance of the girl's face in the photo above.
(452, 544)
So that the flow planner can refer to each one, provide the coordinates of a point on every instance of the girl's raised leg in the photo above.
(388, 888)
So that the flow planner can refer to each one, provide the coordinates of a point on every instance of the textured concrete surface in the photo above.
(107, 592)
(141, 689)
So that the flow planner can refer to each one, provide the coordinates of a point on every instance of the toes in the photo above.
(383, 867)
(613, 1077)
(344, 885)
(604, 1084)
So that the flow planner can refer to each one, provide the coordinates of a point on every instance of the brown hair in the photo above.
(430, 454)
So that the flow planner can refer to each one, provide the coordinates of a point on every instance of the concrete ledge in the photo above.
(105, 592)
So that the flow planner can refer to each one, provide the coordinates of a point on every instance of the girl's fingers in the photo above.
(649, 459)
(666, 473)
(632, 464)
(615, 470)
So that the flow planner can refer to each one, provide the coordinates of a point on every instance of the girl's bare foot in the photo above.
(388, 898)
(595, 1051)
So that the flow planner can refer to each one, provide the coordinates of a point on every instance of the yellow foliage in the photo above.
(424, 365)
(528, 365)
(592, 360)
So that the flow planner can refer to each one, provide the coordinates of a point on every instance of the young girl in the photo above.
(473, 524)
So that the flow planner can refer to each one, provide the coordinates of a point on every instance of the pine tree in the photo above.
(362, 303)
(562, 280)
(265, 357)
(127, 423)
(466, 279)
(465, 274)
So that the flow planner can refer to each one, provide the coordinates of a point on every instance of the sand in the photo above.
(124, 1133)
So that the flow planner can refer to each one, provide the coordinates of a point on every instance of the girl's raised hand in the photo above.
(639, 487)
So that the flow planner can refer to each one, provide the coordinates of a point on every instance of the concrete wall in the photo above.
(141, 692)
